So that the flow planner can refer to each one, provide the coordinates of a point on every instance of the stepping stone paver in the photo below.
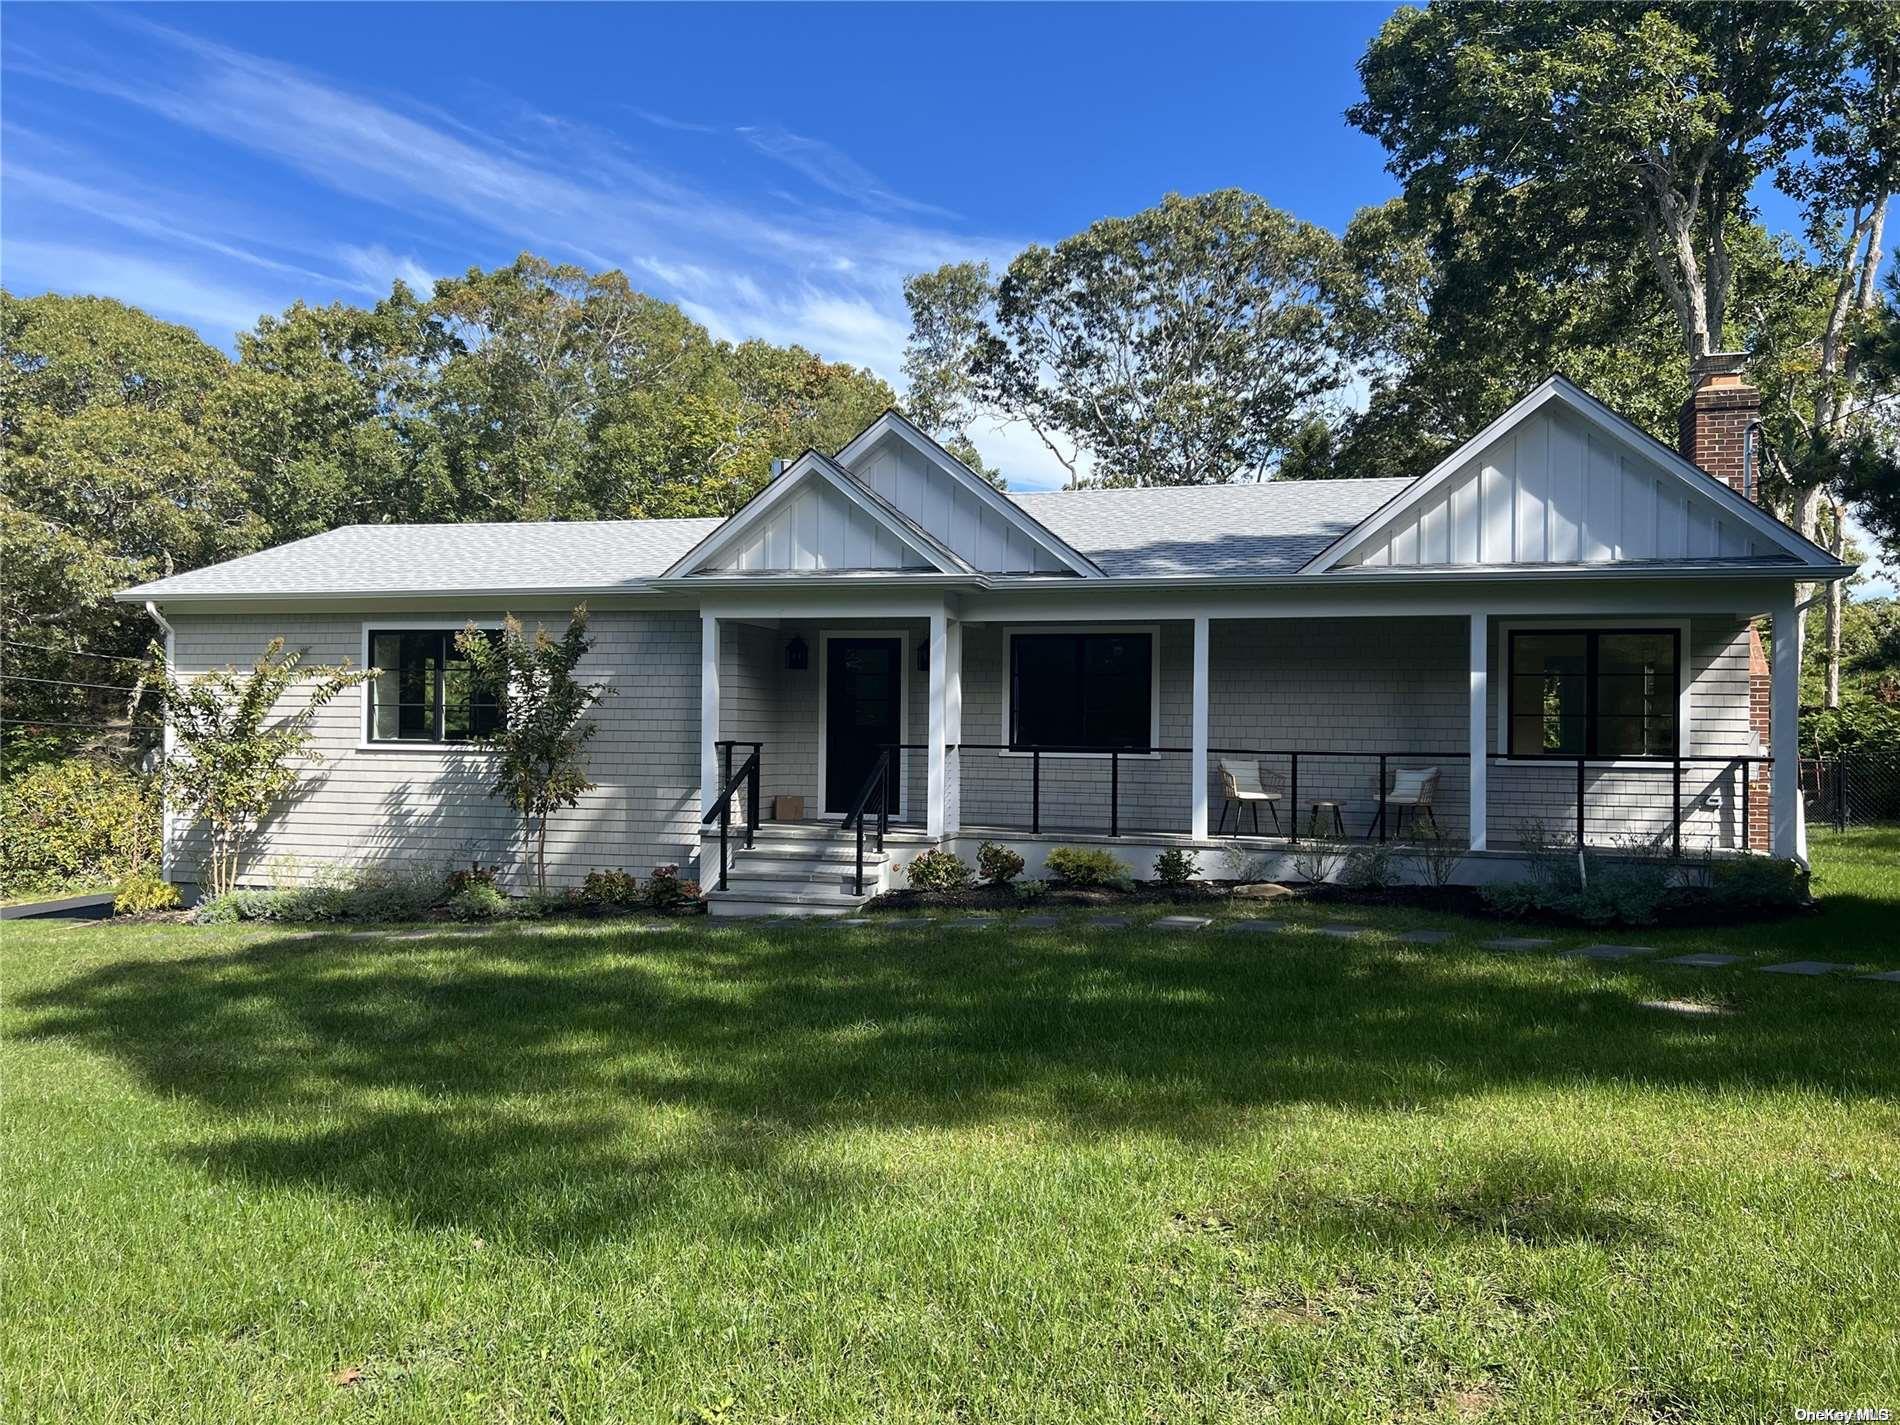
(1109, 922)
(1892, 977)
(1182, 922)
(971, 922)
(1516, 942)
(1255, 927)
(853, 920)
(1340, 930)
(1609, 952)
(1705, 960)
(1804, 967)
(1425, 937)
(1038, 922)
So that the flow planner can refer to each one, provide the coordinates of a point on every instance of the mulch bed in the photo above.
(1684, 914)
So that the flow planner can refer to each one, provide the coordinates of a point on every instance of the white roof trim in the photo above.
(897, 424)
(1619, 429)
(809, 466)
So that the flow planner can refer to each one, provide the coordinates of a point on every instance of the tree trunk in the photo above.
(541, 854)
(1836, 593)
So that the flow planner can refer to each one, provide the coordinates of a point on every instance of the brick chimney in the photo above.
(1714, 428)
(1715, 419)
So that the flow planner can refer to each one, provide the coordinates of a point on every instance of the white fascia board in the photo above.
(1815, 560)
(811, 465)
(895, 423)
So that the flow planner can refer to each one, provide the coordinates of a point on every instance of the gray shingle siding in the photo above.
(419, 807)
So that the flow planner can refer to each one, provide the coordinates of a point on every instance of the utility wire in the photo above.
(70, 652)
(6, 677)
(48, 722)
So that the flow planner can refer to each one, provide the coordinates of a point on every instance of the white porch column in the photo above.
(953, 728)
(708, 710)
(1479, 713)
(1787, 836)
(1197, 790)
(939, 720)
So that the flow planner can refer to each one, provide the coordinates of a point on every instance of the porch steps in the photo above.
(797, 869)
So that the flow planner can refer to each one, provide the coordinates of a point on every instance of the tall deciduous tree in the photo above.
(1184, 345)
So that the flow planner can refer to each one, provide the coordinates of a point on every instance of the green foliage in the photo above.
(1032, 890)
(364, 895)
(77, 822)
(1757, 883)
(613, 888)
(1177, 866)
(1184, 345)
(940, 871)
(229, 765)
(1372, 867)
(1086, 866)
(540, 741)
(144, 892)
(477, 901)
(1860, 725)
(665, 890)
(997, 864)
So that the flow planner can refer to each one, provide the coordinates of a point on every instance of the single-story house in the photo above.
(1551, 632)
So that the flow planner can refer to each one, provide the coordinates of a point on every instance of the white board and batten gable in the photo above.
(1561, 479)
(961, 508)
(892, 501)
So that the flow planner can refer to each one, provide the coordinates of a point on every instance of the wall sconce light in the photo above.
(797, 655)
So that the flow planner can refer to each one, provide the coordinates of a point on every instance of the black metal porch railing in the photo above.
(721, 809)
(1378, 827)
(877, 784)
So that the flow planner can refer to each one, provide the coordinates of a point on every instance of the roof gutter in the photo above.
(699, 583)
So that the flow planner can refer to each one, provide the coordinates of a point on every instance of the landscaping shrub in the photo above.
(666, 891)
(1371, 868)
(1087, 866)
(1757, 883)
(1438, 854)
(478, 900)
(144, 892)
(376, 893)
(1605, 893)
(74, 823)
(1032, 890)
(1177, 866)
(614, 888)
(1317, 861)
(477, 874)
(997, 864)
(940, 871)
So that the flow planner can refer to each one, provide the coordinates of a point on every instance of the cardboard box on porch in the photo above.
(788, 808)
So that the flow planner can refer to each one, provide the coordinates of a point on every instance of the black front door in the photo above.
(864, 681)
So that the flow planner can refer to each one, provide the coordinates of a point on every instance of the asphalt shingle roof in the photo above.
(1270, 528)
(415, 558)
(1273, 527)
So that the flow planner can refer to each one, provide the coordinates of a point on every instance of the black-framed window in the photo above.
(1091, 691)
(424, 691)
(1595, 692)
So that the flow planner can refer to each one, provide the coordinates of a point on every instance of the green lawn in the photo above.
(571, 1173)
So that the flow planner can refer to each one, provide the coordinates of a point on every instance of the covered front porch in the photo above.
(1216, 729)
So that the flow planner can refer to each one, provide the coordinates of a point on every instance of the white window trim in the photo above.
(902, 635)
(1591, 623)
(1153, 630)
(396, 623)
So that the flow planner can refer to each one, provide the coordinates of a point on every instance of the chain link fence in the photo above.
(1846, 789)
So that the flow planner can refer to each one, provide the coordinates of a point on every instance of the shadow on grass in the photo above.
(567, 1082)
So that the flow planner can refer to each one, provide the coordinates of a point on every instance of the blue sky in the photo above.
(777, 170)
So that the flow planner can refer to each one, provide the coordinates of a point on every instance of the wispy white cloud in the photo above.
(165, 290)
(823, 269)
(832, 169)
(378, 267)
